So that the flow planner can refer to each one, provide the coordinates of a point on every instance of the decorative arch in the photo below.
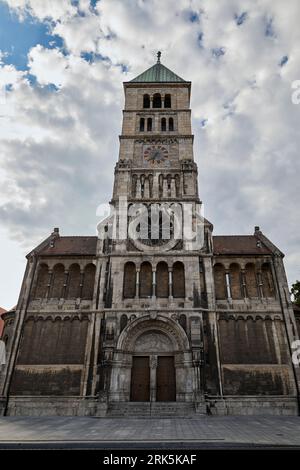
(73, 288)
(146, 101)
(157, 100)
(88, 281)
(162, 280)
(220, 282)
(163, 325)
(142, 124)
(146, 280)
(267, 280)
(235, 281)
(129, 284)
(42, 281)
(178, 280)
(58, 281)
(168, 101)
(251, 281)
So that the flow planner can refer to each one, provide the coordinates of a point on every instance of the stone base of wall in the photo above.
(77, 406)
(55, 406)
(251, 405)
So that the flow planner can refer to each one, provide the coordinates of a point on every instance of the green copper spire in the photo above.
(158, 73)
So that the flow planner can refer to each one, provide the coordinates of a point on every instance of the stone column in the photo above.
(170, 283)
(146, 189)
(165, 187)
(154, 283)
(64, 291)
(137, 286)
(173, 188)
(138, 189)
(244, 287)
(81, 283)
(228, 290)
(260, 284)
(49, 283)
(153, 367)
(155, 187)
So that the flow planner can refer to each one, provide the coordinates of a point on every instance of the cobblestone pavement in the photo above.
(254, 430)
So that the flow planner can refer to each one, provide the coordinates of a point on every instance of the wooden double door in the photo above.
(162, 378)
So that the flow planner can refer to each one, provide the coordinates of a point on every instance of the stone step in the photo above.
(153, 409)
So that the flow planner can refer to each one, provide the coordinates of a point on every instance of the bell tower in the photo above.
(156, 144)
(153, 275)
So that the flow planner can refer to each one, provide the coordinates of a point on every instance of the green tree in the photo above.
(296, 292)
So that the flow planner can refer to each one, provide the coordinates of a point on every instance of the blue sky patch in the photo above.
(194, 17)
(17, 38)
(240, 19)
(283, 60)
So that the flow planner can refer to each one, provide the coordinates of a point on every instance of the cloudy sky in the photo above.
(62, 64)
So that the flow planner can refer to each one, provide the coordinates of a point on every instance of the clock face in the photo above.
(155, 154)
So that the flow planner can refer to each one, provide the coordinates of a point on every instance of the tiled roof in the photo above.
(71, 246)
(156, 74)
(223, 245)
(239, 245)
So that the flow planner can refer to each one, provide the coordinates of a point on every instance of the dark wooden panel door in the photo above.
(140, 379)
(165, 379)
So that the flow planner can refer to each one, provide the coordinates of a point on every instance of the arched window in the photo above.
(123, 322)
(163, 124)
(220, 282)
(167, 101)
(267, 280)
(178, 280)
(58, 281)
(149, 124)
(42, 282)
(251, 283)
(235, 281)
(129, 281)
(73, 288)
(142, 125)
(162, 280)
(146, 280)
(88, 282)
(156, 100)
(171, 124)
(146, 101)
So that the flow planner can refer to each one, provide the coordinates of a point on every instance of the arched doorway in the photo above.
(153, 368)
(152, 362)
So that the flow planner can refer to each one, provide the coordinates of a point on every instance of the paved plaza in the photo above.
(157, 433)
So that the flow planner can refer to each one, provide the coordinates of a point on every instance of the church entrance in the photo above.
(152, 363)
(153, 378)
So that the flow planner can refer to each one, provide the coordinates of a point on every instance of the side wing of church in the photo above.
(152, 324)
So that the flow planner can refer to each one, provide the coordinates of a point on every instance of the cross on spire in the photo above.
(158, 57)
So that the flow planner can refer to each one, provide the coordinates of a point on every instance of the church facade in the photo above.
(155, 316)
